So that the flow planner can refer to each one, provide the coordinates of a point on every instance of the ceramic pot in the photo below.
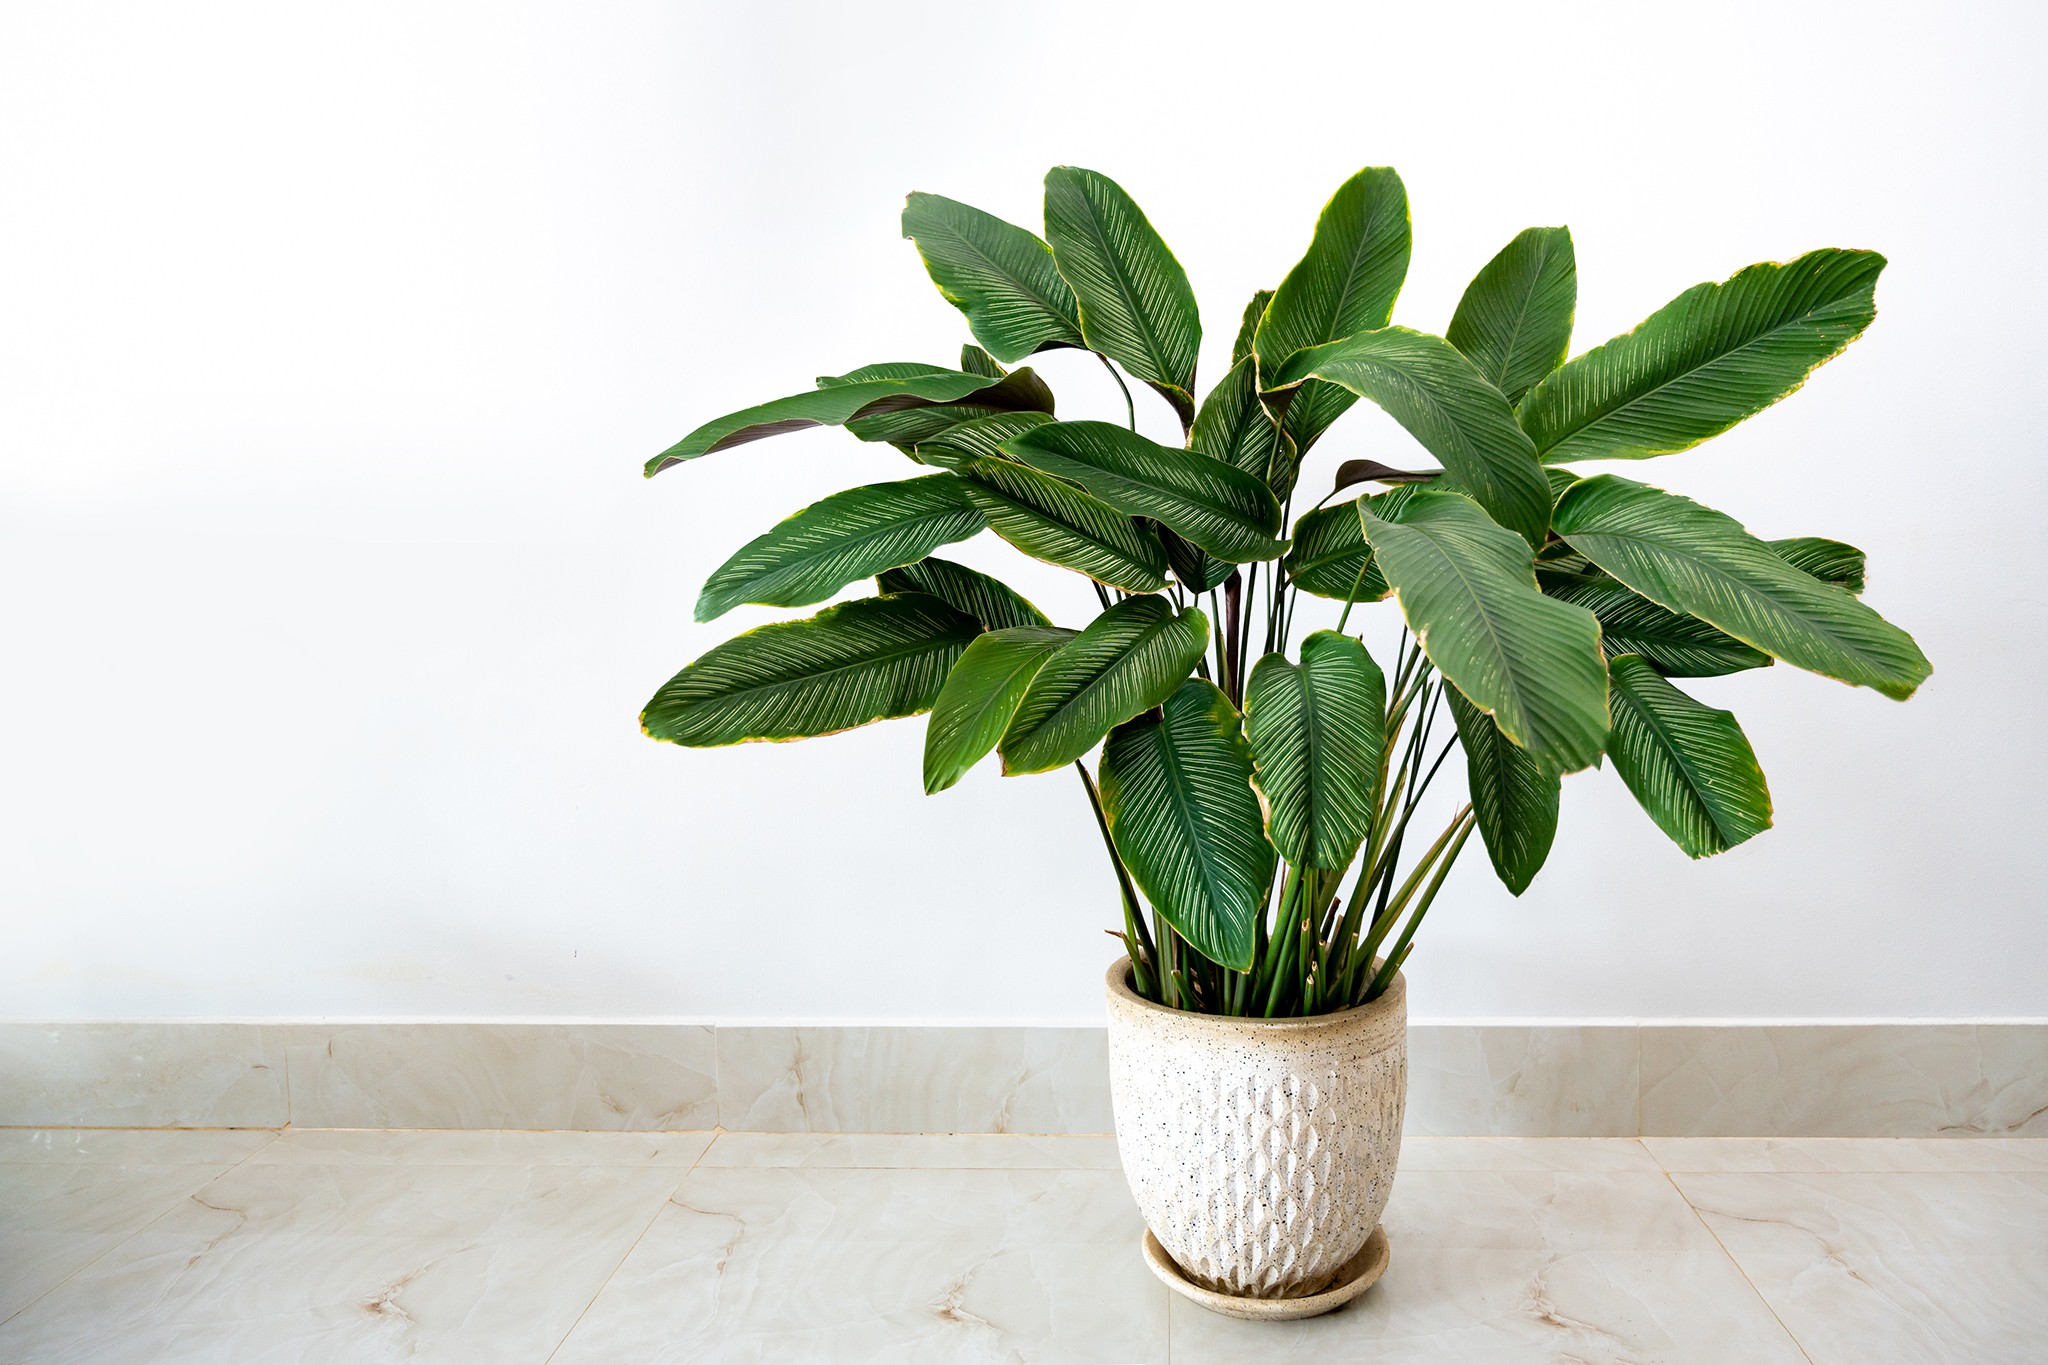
(1261, 1151)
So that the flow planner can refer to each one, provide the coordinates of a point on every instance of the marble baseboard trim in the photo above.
(1902, 1080)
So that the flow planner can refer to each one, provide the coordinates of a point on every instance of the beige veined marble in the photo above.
(1261, 1151)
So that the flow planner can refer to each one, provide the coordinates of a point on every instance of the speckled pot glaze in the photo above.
(1261, 1151)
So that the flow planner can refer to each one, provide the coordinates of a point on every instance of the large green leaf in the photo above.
(1468, 592)
(1514, 796)
(1515, 320)
(978, 436)
(1447, 405)
(988, 600)
(980, 698)
(1828, 560)
(1695, 560)
(1317, 730)
(1680, 646)
(1690, 766)
(1330, 557)
(1136, 306)
(1346, 284)
(860, 532)
(1235, 427)
(1050, 519)
(1020, 391)
(1128, 659)
(1711, 357)
(974, 360)
(1176, 788)
(1217, 506)
(1001, 276)
(851, 664)
(829, 406)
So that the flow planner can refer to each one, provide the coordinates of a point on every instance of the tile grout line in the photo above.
(162, 1214)
(640, 1237)
(1740, 1269)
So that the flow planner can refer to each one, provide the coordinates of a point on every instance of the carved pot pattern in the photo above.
(1261, 1151)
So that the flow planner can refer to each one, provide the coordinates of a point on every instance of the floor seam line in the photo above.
(111, 1248)
(633, 1246)
(1741, 1270)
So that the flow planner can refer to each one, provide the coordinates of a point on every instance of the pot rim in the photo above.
(1122, 992)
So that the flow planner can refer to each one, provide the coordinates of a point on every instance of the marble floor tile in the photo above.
(1849, 1154)
(132, 1146)
(315, 1264)
(478, 1147)
(1508, 1266)
(619, 1077)
(849, 1266)
(1524, 1154)
(59, 1216)
(954, 1151)
(1891, 1269)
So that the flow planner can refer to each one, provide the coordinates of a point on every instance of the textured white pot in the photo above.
(1261, 1151)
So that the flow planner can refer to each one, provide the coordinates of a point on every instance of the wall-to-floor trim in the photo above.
(1534, 1078)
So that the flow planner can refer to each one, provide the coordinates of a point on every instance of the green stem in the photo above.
(1130, 408)
(1134, 919)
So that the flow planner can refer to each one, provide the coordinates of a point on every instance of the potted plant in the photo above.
(1255, 792)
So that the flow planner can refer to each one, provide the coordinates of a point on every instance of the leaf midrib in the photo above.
(1693, 786)
(1126, 287)
(930, 644)
(1655, 547)
(1718, 358)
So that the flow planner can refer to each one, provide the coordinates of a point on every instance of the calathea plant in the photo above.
(1245, 780)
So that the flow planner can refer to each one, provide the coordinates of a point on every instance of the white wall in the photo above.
(332, 339)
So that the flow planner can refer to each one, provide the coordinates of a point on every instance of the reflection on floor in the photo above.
(315, 1246)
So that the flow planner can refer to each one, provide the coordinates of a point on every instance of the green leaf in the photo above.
(1001, 276)
(974, 360)
(1469, 594)
(855, 534)
(1695, 560)
(1235, 427)
(990, 601)
(1176, 788)
(1317, 731)
(858, 662)
(1249, 328)
(829, 406)
(1196, 569)
(980, 436)
(980, 698)
(1447, 405)
(1712, 356)
(1330, 557)
(1680, 646)
(1136, 307)
(1690, 766)
(1129, 658)
(1216, 506)
(1019, 391)
(1515, 320)
(1828, 560)
(1514, 797)
(1052, 520)
(1346, 284)
(888, 369)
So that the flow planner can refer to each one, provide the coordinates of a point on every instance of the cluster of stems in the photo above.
(1313, 950)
